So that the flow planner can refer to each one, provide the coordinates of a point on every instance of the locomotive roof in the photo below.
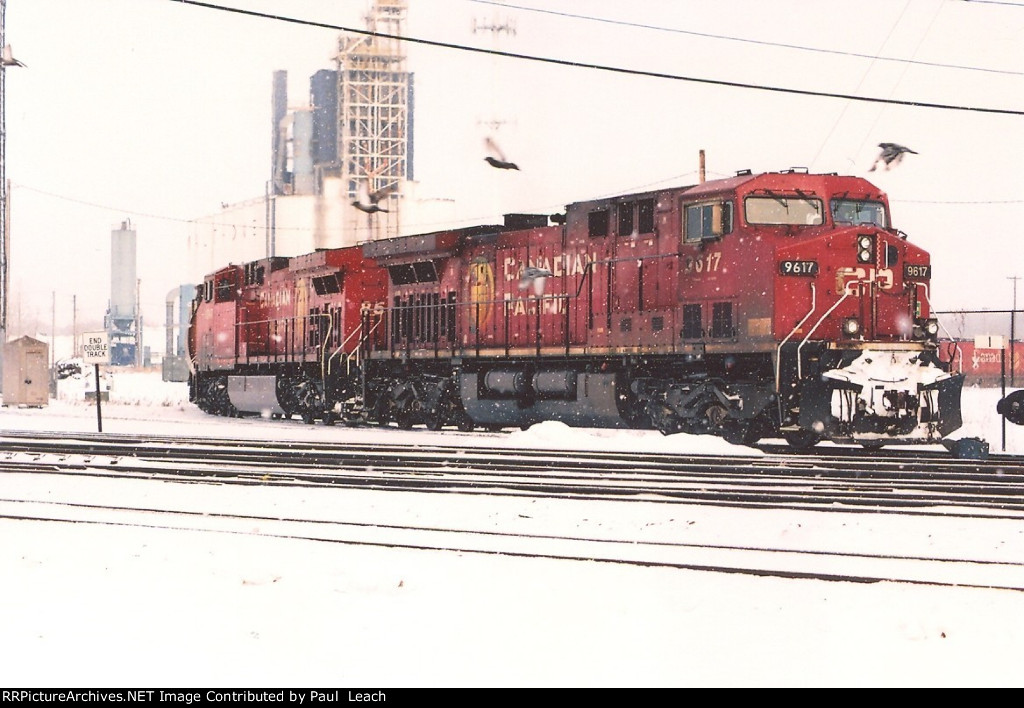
(748, 181)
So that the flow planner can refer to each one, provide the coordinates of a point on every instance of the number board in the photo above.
(95, 348)
(916, 272)
(798, 267)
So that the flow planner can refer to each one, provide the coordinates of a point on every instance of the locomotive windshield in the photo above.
(778, 209)
(856, 211)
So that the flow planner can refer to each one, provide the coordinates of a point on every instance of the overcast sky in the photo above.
(158, 111)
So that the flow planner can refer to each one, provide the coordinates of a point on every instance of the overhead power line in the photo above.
(603, 67)
(995, 2)
(226, 221)
(765, 43)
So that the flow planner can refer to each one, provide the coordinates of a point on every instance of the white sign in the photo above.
(988, 341)
(95, 348)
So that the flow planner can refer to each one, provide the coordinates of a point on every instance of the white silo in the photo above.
(122, 315)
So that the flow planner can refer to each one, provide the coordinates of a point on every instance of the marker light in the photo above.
(851, 327)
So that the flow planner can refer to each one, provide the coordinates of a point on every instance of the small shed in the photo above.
(26, 374)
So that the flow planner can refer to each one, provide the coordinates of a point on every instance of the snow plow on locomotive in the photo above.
(762, 305)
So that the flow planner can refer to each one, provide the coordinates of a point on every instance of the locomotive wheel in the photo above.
(464, 423)
(441, 413)
(801, 439)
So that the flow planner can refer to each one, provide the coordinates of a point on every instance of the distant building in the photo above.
(26, 374)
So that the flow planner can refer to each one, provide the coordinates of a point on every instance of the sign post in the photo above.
(96, 351)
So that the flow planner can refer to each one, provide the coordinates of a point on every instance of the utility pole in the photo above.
(1013, 331)
(138, 324)
(4, 248)
(5, 186)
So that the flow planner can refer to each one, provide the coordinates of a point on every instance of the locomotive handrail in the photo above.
(357, 352)
(341, 346)
(956, 347)
(829, 311)
(778, 352)
(246, 327)
(475, 312)
(588, 269)
(323, 344)
(289, 354)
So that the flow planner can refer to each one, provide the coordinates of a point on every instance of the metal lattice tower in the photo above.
(373, 115)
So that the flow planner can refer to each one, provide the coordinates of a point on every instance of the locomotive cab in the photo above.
(857, 359)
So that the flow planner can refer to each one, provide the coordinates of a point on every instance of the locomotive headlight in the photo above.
(926, 329)
(851, 327)
(865, 248)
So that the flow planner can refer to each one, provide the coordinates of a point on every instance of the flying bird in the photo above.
(497, 158)
(535, 277)
(891, 155)
(8, 57)
(369, 202)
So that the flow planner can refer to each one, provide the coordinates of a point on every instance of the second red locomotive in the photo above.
(763, 305)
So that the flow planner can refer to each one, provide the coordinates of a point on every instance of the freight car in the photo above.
(780, 304)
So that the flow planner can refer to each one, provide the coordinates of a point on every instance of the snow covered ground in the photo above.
(105, 605)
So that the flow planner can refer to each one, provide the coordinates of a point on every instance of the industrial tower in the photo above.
(373, 116)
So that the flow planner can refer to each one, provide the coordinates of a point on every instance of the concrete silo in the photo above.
(123, 322)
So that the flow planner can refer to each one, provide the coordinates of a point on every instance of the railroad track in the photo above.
(59, 480)
(876, 482)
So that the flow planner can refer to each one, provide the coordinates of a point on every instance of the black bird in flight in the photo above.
(497, 157)
(891, 155)
(369, 202)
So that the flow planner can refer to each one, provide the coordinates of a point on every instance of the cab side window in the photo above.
(707, 220)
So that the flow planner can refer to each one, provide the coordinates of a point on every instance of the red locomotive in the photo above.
(762, 305)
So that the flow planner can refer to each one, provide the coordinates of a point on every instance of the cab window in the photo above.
(858, 211)
(224, 289)
(784, 210)
(707, 220)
